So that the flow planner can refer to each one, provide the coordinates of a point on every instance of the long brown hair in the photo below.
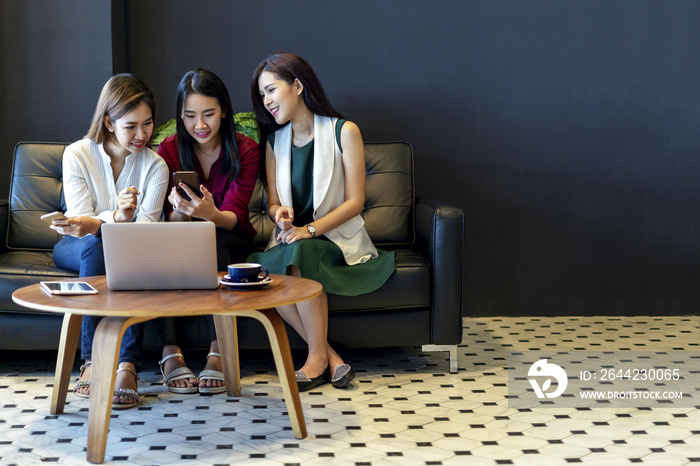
(288, 67)
(119, 96)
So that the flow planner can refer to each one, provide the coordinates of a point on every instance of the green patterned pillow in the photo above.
(247, 125)
(245, 122)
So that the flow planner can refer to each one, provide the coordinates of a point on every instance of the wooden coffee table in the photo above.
(121, 309)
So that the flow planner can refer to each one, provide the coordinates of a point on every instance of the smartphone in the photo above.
(191, 179)
(72, 288)
(50, 217)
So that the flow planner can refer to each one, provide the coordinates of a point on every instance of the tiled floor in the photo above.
(403, 409)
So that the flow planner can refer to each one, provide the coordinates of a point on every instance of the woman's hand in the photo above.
(199, 207)
(175, 199)
(126, 201)
(293, 234)
(77, 226)
(284, 216)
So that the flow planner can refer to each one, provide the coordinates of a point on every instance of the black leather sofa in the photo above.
(421, 304)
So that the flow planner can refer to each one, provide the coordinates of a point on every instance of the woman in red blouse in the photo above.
(227, 163)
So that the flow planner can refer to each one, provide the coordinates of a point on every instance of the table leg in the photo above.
(70, 333)
(227, 336)
(105, 358)
(279, 343)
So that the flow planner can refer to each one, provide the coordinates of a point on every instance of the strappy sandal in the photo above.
(177, 374)
(82, 383)
(127, 392)
(209, 374)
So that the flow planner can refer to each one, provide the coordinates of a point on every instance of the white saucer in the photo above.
(246, 285)
(227, 278)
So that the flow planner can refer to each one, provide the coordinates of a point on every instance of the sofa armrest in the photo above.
(440, 238)
(4, 218)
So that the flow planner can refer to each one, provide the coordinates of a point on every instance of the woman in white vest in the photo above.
(315, 169)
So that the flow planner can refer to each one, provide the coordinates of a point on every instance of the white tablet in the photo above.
(68, 288)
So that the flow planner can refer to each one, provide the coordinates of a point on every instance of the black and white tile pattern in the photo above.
(404, 408)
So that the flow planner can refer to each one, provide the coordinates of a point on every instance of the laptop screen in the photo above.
(160, 256)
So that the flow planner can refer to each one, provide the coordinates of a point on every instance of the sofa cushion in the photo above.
(23, 268)
(389, 193)
(408, 287)
(31, 263)
(35, 190)
(257, 212)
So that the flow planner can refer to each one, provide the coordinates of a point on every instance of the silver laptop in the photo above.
(160, 256)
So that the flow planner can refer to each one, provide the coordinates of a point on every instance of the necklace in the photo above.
(212, 155)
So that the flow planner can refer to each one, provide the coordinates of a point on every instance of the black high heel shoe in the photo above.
(342, 376)
(304, 383)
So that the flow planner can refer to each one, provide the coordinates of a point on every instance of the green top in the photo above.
(303, 186)
(303, 176)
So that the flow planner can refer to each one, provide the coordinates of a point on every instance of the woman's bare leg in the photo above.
(291, 315)
(125, 379)
(214, 364)
(85, 376)
(310, 320)
(174, 363)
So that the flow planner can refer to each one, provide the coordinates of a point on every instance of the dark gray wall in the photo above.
(54, 59)
(567, 131)
(583, 156)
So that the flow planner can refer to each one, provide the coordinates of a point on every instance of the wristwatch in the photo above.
(312, 229)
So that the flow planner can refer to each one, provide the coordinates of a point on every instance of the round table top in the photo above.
(283, 290)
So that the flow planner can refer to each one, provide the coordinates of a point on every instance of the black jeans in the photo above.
(231, 247)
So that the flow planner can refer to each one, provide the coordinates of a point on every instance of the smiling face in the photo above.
(279, 97)
(202, 116)
(133, 130)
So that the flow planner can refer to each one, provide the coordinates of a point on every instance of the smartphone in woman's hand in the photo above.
(51, 216)
(191, 179)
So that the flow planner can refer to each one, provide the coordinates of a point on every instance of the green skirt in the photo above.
(321, 260)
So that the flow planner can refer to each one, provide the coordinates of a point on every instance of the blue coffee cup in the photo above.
(246, 273)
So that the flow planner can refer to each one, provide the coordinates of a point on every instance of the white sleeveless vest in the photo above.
(328, 188)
